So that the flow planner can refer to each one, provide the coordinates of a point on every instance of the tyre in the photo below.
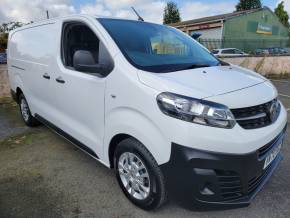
(139, 175)
(28, 119)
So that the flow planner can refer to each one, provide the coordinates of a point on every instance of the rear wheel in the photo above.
(139, 175)
(28, 119)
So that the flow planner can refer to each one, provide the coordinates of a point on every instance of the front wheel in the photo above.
(139, 175)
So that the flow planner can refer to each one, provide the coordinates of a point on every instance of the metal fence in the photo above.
(246, 45)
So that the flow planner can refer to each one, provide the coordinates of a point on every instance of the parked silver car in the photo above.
(225, 52)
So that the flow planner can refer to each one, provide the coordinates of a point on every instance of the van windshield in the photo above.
(157, 48)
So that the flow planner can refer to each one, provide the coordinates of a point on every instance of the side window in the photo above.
(237, 51)
(215, 51)
(228, 51)
(224, 52)
(83, 51)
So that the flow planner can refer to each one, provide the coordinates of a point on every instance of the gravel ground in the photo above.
(42, 175)
(4, 87)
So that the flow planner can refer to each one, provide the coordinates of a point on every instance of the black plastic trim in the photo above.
(13, 95)
(62, 133)
(19, 68)
(229, 177)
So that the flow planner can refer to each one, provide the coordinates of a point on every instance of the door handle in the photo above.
(59, 80)
(46, 76)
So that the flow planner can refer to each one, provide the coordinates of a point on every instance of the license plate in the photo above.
(272, 156)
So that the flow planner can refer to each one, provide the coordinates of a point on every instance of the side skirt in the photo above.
(68, 137)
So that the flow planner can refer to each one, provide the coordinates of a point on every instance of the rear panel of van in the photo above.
(31, 51)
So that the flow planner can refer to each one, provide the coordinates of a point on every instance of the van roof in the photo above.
(50, 20)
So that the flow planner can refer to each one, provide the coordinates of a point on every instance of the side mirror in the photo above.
(84, 61)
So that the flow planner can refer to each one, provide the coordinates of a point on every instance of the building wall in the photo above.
(242, 32)
(270, 66)
(215, 33)
(196, 27)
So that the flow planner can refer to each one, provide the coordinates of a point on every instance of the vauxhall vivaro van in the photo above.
(153, 104)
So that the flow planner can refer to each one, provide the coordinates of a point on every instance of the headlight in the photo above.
(196, 111)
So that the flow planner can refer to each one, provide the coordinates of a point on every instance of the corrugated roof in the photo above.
(216, 17)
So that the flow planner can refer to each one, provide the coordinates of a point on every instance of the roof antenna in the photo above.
(47, 14)
(139, 17)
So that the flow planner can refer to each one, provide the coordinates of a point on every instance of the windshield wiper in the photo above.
(222, 63)
(194, 66)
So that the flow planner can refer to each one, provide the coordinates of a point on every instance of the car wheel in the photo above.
(28, 119)
(139, 175)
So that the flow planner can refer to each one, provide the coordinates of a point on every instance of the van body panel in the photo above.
(203, 82)
(80, 107)
(127, 112)
(31, 55)
(254, 95)
(80, 100)
(233, 141)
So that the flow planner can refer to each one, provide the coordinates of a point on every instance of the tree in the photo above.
(171, 13)
(244, 5)
(3, 41)
(282, 14)
(5, 28)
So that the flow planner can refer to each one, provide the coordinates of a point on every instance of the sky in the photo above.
(150, 10)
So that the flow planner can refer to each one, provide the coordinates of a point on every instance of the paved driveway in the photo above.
(42, 175)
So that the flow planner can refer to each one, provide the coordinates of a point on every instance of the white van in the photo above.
(152, 103)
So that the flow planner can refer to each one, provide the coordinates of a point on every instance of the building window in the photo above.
(252, 26)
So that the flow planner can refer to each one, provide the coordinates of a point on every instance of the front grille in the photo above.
(266, 148)
(255, 182)
(256, 116)
(230, 184)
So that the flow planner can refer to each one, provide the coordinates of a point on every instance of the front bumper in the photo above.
(210, 180)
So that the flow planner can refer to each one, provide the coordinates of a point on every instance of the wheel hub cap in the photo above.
(134, 175)
(24, 109)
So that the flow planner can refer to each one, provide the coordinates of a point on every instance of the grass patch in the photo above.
(21, 139)
(278, 76)
(7, 100)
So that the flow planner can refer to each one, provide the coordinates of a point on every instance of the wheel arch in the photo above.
(17, 86)
(18, 92)
(113, 145)
(139, 127)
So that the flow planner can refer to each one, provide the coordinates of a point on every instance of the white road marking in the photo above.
(287, 96)
(288, 109)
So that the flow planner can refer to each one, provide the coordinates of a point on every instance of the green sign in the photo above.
(264, 29)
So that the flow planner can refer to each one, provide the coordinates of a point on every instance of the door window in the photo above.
(79, 37)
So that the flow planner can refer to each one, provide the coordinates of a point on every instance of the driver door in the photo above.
(80, 95)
